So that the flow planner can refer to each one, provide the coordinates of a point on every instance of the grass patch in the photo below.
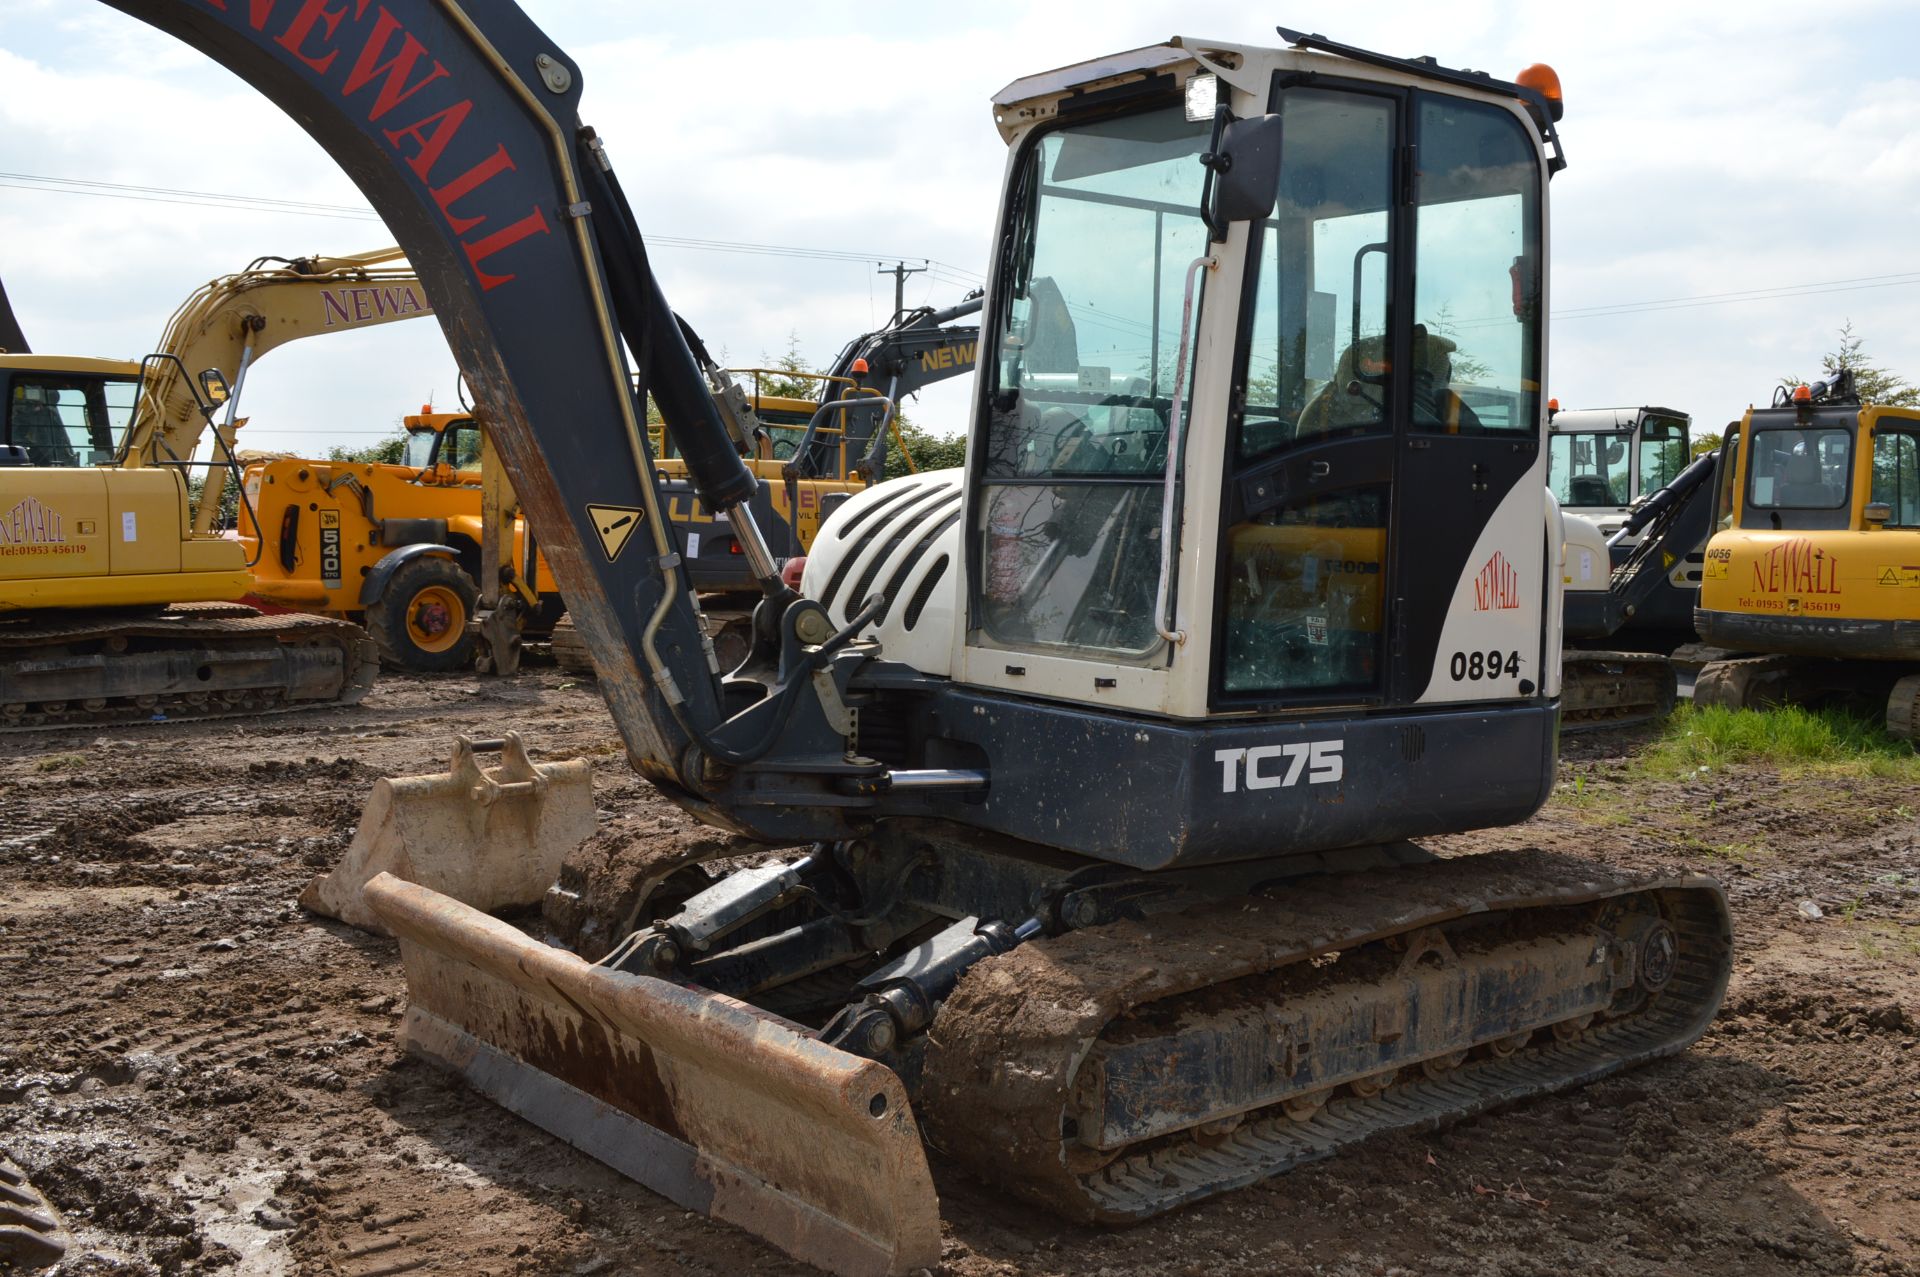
(1829, 741)
(59, 762)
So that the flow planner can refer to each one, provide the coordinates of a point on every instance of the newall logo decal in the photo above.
(1497, 588)
(31, 528)
(361, 303)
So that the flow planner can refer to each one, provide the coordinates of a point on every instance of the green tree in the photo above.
(387, 452)
(1703, 444)
(1875, 384)
(787, 378)
(929, 451)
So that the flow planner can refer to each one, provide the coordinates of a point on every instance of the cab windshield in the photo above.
(69, 421)
(455, 445)
(1800, 469)
(1105, 222)
(1591, 468)
(418, 451)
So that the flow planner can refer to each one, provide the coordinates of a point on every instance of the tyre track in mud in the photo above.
(202, 1079)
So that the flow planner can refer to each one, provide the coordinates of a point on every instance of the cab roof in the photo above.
(1581, 420)
(129, 368)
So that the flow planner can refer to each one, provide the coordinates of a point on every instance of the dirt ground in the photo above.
(202, 1078)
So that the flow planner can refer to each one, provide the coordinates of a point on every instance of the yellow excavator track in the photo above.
(197, 661)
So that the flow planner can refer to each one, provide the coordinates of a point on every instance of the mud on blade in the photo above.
(725, 1109)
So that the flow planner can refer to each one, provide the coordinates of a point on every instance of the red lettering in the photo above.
(535, 221)
(1497, 588)
(396, 69)
(311, 13)
(432, 144)
(1797, 565)
(495, 164)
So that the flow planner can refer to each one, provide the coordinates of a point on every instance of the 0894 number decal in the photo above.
(1471, 667)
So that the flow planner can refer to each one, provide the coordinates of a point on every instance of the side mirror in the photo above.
(213, 384)
(1878, 512)
(1245, 172)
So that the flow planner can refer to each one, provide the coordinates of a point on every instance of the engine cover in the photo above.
(899, 539)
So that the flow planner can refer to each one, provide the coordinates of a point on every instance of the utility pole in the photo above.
(899, 271)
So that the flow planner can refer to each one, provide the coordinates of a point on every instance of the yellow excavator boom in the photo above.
(230, 322)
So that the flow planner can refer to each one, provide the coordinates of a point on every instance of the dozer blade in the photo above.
(491, 839)
(723, 1108)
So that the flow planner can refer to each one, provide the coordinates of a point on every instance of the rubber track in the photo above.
(1650, 682)
(22, 638)
(1004, 1049)
(569, 649)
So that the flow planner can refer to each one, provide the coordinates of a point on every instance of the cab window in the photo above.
(1727, 492)
(1589, 469)
(460, 446)
(1475, 297)
(1663, 454)
(1799, 469)
(1896, 475)
(418, 451)
(1080, 389)
(69, 421)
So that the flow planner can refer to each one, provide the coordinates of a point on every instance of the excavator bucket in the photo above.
(490, 838)
(723, 1108)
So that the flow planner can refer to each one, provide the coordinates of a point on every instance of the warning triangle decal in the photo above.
(615, 526)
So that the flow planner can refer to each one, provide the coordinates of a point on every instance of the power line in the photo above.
(1784, 292)
(958, 276)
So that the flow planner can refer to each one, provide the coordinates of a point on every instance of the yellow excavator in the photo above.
(1086, 801)
(116, 589)
(1812, 578)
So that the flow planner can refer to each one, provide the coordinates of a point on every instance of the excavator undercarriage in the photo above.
(193, 661)
(1108, 1044)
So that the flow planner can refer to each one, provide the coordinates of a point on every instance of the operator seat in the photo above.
(1802, 485)
(1589, 489)
(1337, 408)
(38, 427)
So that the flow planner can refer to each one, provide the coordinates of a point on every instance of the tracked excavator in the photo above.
(116, 587)
(1812, 582)
(1100, 765)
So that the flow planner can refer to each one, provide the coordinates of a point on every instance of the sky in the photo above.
(1742, 180)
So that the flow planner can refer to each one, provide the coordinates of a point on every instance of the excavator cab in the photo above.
(1808, 578)
(66, 411)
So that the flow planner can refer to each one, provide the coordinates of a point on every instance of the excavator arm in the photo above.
(1671, 523)
(459, 123)
(229, 323)
(12, 340)
(920, 348)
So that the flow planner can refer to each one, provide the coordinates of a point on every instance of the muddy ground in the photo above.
(202, 1077)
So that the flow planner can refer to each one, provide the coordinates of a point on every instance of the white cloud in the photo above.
(1714, 148)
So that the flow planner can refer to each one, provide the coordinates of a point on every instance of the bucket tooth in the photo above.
(723, 1108)
(490, 838)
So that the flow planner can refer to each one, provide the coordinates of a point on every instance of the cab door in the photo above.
(1383, 543)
